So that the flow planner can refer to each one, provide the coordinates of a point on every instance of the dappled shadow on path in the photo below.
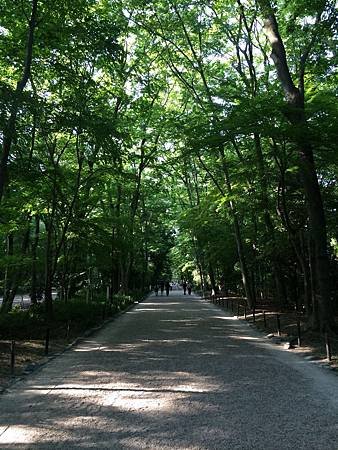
(167, 375)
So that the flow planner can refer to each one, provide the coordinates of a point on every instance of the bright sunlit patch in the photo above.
(193, 388)
(18, 434)
(95, 373)
(147, 309)
(163, 303)
(224, 318)
(4, 31)
(245, 338)
(87, 348)
(172, 342)
(137, 401)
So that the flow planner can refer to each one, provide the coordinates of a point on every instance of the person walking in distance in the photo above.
(156, 289)
(184, 285)
(167, 288)
(189, 288)
(162, 287)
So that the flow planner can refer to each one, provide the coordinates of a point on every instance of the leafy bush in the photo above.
(22, 324)
(86, 314)
(31, 324)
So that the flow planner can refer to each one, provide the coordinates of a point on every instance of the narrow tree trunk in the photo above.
(200, 271)
(14, 275)
(305, 267)
(314, 317)
(34, 287)
(6, 306)
(10, 128)
(49, 271)
(275, 259)
(212, 278)
(238, 237)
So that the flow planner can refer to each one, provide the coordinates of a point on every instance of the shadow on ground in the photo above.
(168, 375)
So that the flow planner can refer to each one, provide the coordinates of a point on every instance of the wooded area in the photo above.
(172, 138)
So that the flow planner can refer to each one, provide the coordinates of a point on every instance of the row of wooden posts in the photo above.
(228, 303)
(46, 348)
(223, 301)
(47, 337)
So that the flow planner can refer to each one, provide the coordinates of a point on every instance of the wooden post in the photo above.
(328, 346)
(12, 357)
(299, 337)
(264, 318)
(278, 325)
(47, 341)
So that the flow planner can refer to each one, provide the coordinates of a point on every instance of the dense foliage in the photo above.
(146, 140)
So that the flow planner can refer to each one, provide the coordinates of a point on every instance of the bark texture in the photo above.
(10, 128)
(296, 115)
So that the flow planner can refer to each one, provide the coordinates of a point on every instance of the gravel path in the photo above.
(173, 373)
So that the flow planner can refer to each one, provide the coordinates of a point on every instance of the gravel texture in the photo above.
(173, 373)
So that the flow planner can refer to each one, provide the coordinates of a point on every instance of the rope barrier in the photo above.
(266, 310)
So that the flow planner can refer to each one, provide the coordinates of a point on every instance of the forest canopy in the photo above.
(143, 141)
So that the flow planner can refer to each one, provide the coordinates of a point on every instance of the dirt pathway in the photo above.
(173, 373)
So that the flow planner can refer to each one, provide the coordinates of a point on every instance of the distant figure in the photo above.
(156, 289)
(167, 287)
(162, 287)
(184, 285)
(189, 288)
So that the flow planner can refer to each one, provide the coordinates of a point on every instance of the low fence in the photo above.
(238, 306)
(53, 339)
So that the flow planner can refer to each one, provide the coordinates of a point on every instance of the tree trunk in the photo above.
(238, 237)
(34, 287)
(10, 127)
(49, 271)
(6, 304)
(314, 317)
(212, 278)
(315, 209)
(13, 275)
(275, 260)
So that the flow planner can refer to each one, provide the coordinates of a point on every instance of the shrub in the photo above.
(84, 314)
(31, 324)
(21, 324)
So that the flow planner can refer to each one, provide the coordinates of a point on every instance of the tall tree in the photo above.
(295, 113)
